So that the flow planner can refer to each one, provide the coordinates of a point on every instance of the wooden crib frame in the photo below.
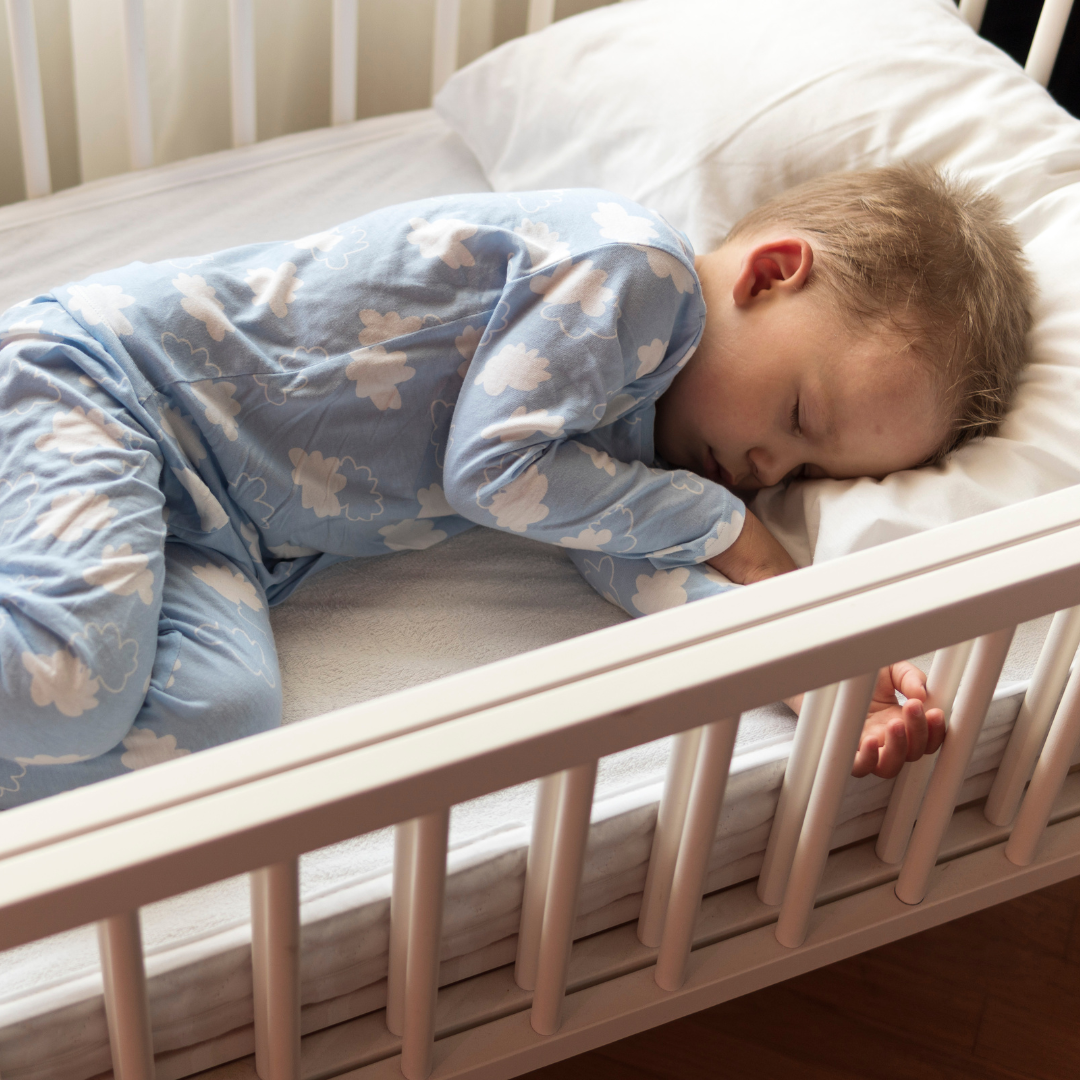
(99, 854)
(405, 759)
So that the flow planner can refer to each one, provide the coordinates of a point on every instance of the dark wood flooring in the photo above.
(993, 996)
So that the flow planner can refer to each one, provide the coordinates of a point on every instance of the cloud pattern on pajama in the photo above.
(184, 442)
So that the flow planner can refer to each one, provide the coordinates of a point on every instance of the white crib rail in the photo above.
(424, 936)
(343, 82)
(126, 1008)
(1049, 776)
(1046, 43)
(343, 61)
(671, 814)
(1033, 720)
(980, 679)
(275, 969)
(444, 54)
(795, 793)
(242, 80)
(837, 754)
(703, 804)
(560, 902)
(941, 687)
(28, 98)
(263, 824)
(137, 87)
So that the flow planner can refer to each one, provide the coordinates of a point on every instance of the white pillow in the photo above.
(703, 108)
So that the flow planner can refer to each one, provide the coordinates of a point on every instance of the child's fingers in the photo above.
(916, 728)
(894, 751)
(866, 757)
(909, 680)
(935, 730)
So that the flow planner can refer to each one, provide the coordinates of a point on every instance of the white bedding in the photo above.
(360, 630)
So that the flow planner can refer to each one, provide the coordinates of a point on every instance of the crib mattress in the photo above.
(357, 631)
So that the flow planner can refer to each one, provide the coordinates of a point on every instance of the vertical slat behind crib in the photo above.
(802, 766)
(1050, 772)
(137, 85)
(29, 102)
(444, 55)
(698, 834)
(560, 906)
(242, 71)
(670, 817)
(1047, 40)
(401, 895)
(541, 14)
(852, 700)
(972, 11)
(1033, 720)
(537, 875)
(126, 1008)
(941, 685)
(275, 969)
(981, 677)
(343, 61)
(425, 937)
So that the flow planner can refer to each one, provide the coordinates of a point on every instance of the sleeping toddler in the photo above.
(183, 443)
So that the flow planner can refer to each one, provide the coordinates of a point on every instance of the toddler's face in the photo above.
(781, 387)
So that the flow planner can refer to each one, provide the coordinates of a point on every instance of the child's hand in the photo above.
(755, 555)
(896, 733)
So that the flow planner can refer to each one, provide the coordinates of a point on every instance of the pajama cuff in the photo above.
(718, 539)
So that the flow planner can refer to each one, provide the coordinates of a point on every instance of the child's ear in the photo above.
(772, 267)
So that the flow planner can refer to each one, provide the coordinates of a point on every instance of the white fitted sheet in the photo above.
(357, 631)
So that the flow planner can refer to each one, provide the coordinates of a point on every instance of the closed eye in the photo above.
(796, 429)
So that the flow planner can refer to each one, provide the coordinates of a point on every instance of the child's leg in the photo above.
(640, 589)
(81, 560)
(215, 678)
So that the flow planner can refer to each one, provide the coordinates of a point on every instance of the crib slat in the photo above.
(1050, 772)
(343, 62)
(1047, 40)
(972, 11)
(1033, 720)
(670, 817)
(425, 937)
(126, 1007)
(560, 907)
(242, 71)
(140, 129)
(29, 102)
(541, 14)
(537, 873)
(275, 969)
(941, 686)
(401, 895)
(802, 765)
(837, 756)
(444, 56)
(981, 678)
(702, 815)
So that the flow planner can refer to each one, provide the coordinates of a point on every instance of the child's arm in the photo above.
(552, 429)
(755, 555)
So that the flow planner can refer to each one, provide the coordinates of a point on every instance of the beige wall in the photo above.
(187, 44)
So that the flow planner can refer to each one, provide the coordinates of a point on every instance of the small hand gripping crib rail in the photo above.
(405, 759)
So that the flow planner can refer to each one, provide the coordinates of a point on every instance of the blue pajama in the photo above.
(184, 442)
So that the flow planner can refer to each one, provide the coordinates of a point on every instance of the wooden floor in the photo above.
(994, 996)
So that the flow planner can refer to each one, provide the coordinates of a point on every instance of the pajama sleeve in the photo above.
(552, 429)
(640, 590)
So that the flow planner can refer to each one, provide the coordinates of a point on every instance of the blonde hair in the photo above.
(930, 257)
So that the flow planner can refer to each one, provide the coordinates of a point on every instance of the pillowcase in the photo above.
(701, 109)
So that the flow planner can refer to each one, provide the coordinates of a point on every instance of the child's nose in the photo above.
(769, 467)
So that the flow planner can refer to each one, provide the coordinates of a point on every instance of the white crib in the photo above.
(405, 759)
